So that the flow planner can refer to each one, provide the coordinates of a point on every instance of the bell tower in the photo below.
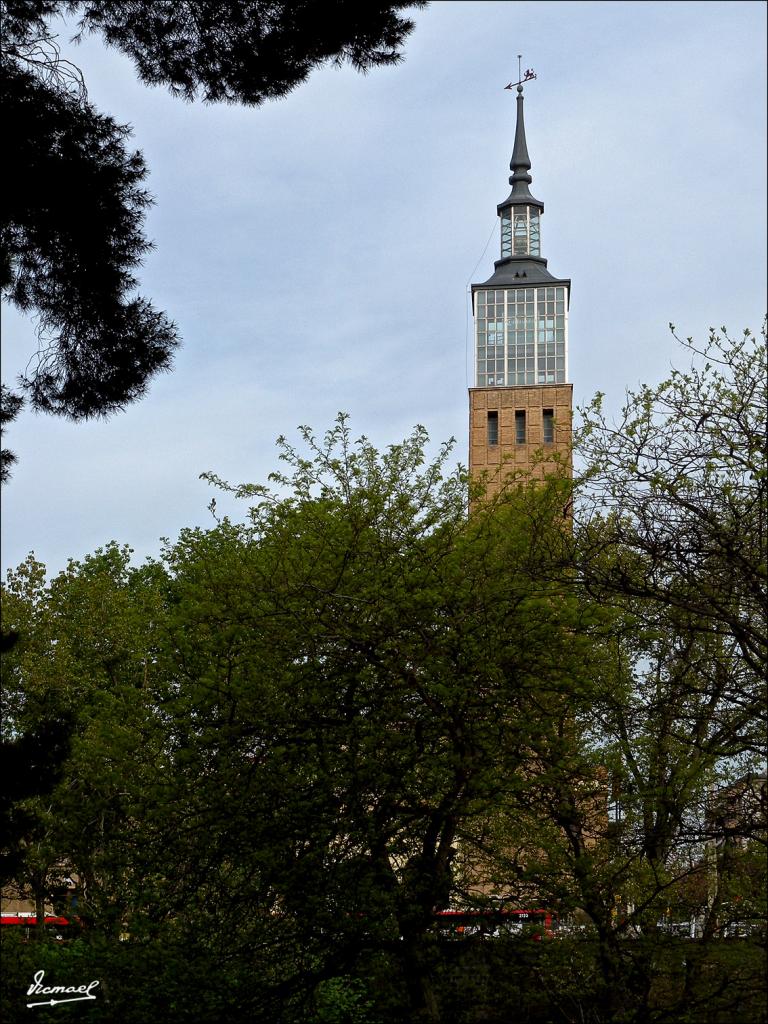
(520, 408)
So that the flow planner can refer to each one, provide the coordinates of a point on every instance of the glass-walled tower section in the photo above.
(520, 231)
(521, 336)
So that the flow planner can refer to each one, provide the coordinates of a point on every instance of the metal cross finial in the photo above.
(522, 76)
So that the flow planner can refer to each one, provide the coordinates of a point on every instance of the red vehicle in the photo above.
(58, 925)
(493, 923)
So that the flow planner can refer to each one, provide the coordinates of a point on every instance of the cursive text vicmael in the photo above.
(37, 988)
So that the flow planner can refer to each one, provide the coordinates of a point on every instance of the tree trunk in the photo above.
(421, 992)
(39, 932)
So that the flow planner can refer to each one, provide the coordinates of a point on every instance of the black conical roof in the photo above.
(520, 164)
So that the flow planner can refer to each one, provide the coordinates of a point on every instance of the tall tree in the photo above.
(373, 670)
(677, 490)
(77, 725)
(670, 537)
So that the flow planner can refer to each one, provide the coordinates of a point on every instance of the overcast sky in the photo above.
(316, 252)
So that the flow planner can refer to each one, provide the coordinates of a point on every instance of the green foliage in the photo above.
(342, 1001)
(389, 666)
(71, 259)
(84, 658)
(10, 406)
(294, 738)
(247, 53)
(674, 498)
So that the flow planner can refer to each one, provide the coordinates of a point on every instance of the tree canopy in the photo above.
(291, 742)
(71, 228)
(677, 492)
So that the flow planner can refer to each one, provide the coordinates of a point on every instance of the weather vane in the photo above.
(522, 76)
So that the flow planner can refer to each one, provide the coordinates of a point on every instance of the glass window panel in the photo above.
(548, 425)
(506, 234)
(519, 427)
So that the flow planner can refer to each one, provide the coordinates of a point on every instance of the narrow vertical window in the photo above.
(534, 231)
(521, 231)
(493, 428)
(506, 232)
(548, 422)
(520, 427)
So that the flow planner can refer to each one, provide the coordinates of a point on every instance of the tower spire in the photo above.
(520, 211)
(520, 164)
